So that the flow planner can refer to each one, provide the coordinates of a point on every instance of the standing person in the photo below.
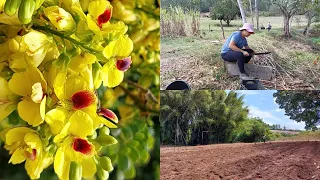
(264, 138)
(236, 49)
(269, 26)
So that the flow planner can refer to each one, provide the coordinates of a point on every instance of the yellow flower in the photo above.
(123, 13)
(100, 11)
(8, 100)
(80, 62)
(77, 103)
(4, 51)
(111, 96)
(98, 19)
(60, 18)
(76, 149)
(25, 145)
(31, 85)
(117, 52)
(29, 49)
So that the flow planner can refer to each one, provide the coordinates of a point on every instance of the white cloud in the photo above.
(270, 118)
(246, 92)
(279, 110)
(267, 116)
(274, 101)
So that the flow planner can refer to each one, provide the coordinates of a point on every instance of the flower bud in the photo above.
(75, 172)
(106, 140)
(104, 131)
(106, 163)
(102, 174)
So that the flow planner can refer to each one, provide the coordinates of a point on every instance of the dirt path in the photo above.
(276, 160)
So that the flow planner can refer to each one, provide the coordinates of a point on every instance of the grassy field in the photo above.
(197, 60)
(302, 136)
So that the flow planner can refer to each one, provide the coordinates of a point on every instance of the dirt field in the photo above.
(276, 161)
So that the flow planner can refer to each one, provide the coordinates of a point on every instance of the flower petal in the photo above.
(81, 124)
(17, 157)
(16, 135)
(31, 112)
(21, 83)
(56, 119)
(73, 84)
(61, 166)
(97, 8)
(88, 168)
(112, 77)
(33, 141)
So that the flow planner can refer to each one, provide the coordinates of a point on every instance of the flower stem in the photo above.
(61, 35)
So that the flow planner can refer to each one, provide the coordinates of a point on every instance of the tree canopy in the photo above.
(301, 106)
(225, 10)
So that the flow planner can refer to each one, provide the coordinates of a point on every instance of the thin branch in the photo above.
(147, 92)
(137, 101)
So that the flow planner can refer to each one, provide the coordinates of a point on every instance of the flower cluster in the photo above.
(143, 20)
(54, 55)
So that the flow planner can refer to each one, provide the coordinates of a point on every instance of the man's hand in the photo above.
(245, 53)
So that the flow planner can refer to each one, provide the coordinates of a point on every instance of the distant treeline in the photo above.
(265, 7)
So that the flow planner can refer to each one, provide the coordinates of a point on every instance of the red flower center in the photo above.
(82, 99)
(104, 17)
(32, 156)
(124, 64)
(82, 146)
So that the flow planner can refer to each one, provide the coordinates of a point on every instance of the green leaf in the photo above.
(144, 157)
(130, 173)
(140, 136)
(124, 163)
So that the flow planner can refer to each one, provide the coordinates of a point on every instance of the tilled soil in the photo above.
(275, 160)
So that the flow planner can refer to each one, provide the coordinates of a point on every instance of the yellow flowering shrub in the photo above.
(68, 70)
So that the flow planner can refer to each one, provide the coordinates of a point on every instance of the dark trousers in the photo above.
(235, 56)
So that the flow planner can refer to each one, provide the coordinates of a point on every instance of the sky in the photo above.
(262, 104)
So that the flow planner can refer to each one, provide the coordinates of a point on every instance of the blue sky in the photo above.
(262, 104)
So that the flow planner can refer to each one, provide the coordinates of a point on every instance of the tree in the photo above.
(290, 8)
(314, 9)
(251, 130)
(243, 15)
(251, 11)
(301, 106)
(225, 10)
(256, 12)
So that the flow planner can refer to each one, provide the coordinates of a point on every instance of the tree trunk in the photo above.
(257, 12)
(222, 29)
(306, 29)
(243, 15)
(287, 25)
(251, 12)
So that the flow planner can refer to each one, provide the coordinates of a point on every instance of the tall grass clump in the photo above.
(178, 22)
